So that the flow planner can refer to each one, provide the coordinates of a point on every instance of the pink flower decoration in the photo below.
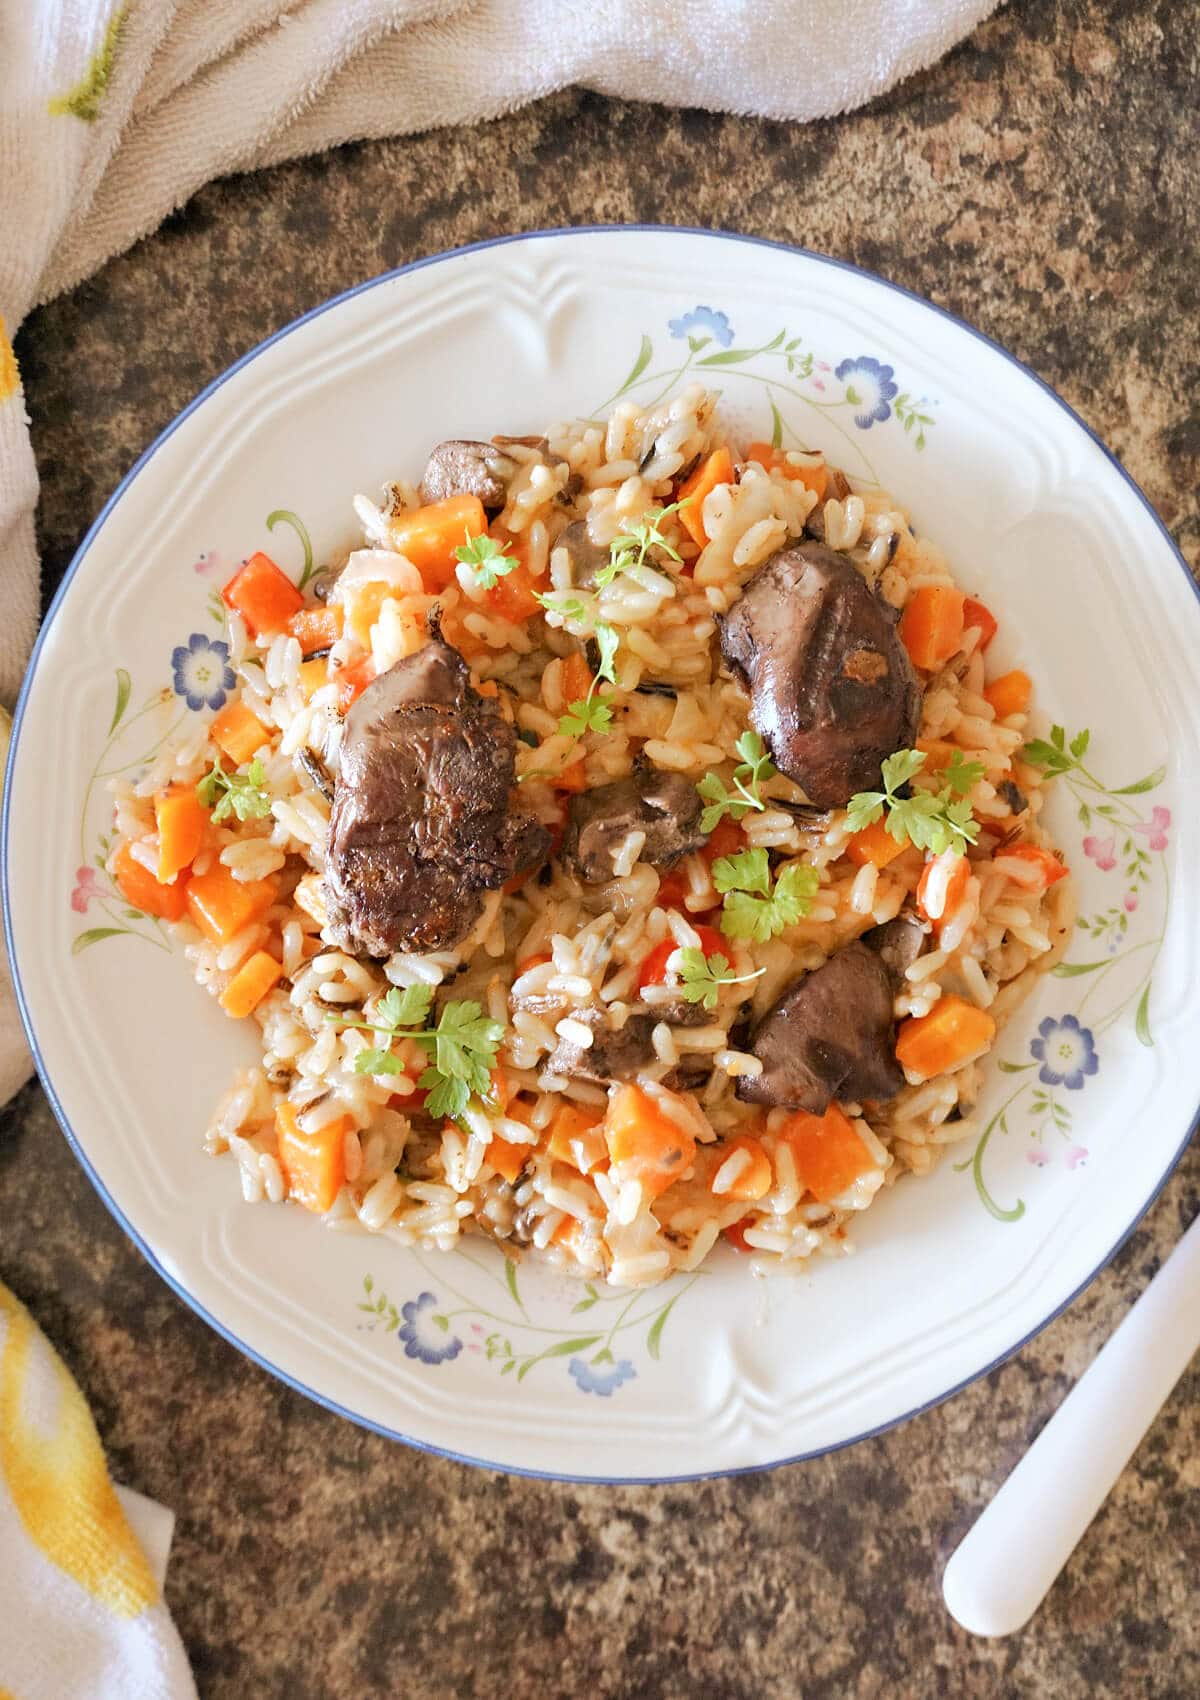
(1037, 1157)
(824, 366)
(1102, 851)
(1130, 901)
(818, 384)
(1155, 829)
(477, 1328)
(208, 561)
(86, 887)
(1076, 1155)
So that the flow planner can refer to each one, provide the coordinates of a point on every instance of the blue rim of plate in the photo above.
(5, 824)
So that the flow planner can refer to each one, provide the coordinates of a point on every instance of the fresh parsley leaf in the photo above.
(564, 606)
(589, 714)
(932, 820)
(239, 794)
(405, 1006)
(485, 560)
(748, 870)
(463, 1047)
(962, 775)
(447, 1097)
(755, 767)
(701, 977)
(377, 1062)
(755, 910)
(629, 549)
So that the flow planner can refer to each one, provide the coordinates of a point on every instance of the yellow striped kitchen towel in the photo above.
(82, 1615)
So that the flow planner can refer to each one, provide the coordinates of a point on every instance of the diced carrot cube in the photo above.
(238, 732)
(429, 536)
(814, 478)
(876, 845)
(828, 1153)
(931, 626)
(318, 627)
(953, 1031)
(250, 985)
(576, 678)
(753, 1179)
(577, 1138)
(141, 890)
(313, 1164)
(264, 596)
(313, 674)
(352, 682)
(221, 906)
(716, 469)
(1047, 864)
(506, 1158)
(183, 824)
(647, 1143)
(1010, 693)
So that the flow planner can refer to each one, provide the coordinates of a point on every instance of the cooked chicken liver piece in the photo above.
(665, 806)
(459, 467)
(614, 1053)
(831, 1035)
(586, 557)
(898, 943)
(833, 692)
(837, 488)
(423, 817)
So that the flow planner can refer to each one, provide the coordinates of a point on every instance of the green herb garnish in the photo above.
(961, 775)
(755, 767)
(485, 560)
(629, 549)
(755, 909)
(932, 820)
(592, 713)
(462, 1046)
(239, 794)
(559, 602)
(701, 977)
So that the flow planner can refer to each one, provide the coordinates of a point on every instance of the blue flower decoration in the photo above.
(601, 1378)
(871, 390)
(425, 1334)
(1066, 1051)
(202, 672)
(705, 321)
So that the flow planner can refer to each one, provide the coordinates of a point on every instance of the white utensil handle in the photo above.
(1001, 1571)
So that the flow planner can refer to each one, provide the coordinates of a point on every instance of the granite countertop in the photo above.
(1041, 182)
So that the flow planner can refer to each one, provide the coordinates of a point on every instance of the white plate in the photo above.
(719, 1372)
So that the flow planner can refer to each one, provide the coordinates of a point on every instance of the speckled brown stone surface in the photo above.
(1041, 181)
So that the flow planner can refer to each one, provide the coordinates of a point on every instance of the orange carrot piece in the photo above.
(876, 845)
(250, 985)
(1047, 864)
(264, 596)
(506, 1158)
(827, 1151)
(317, 627)
(221, 906)
(576, 678)
(571, 778)
(725, 839)
(931, 626)
(183, 824)
(717, 469)
(735, 1233)
(528, 963)
(938, 752)
(814, 478)
(952, 1031)
(754, 1179)
(429, 536)
(237, 732)
(976, 614)
(577, 1138)
(352, 682)
(313, 1164)
(141, 890)
(649, 1144)
(512, 597)
(1010, 693)
(313, 674)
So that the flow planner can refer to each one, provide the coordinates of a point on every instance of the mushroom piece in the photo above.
(831, 1035)
(832, 689)
(586, 558)
(459, 467)
(664, 806)
(615, 1053)
(424, 818)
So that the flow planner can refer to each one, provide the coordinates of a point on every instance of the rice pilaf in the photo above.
(549, 1160)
